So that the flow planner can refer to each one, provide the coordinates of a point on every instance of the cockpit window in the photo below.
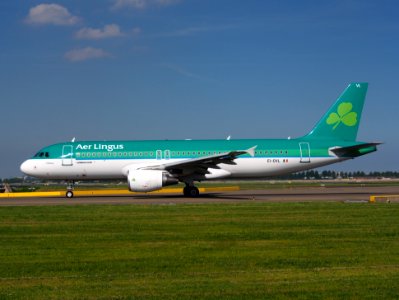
(42, 154)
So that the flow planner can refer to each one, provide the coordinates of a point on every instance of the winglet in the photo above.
(251, 151)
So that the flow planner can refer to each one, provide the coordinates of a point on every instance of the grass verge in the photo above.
(207, 251)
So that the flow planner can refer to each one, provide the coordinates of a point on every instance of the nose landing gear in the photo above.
(69, 192)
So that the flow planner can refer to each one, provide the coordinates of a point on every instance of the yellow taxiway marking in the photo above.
(383, 198)
(78, 193)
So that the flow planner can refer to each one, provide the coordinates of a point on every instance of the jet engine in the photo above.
(149, 180)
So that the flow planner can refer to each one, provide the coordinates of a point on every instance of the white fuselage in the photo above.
(116, 169)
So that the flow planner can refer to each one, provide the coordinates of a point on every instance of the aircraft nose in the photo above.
(27, 167)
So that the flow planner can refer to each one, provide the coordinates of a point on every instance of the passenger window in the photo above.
(47, 154)
(41, 154)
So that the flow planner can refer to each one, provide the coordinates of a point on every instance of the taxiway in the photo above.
(343, 194)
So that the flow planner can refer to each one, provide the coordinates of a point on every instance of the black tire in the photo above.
(69, 194)
(186, 191)
(193, 192)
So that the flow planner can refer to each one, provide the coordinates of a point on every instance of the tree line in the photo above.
(327, 174)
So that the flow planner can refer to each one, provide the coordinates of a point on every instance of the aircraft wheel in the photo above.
(191, 191)
(185, 191)
(194, 192)
(69, 194)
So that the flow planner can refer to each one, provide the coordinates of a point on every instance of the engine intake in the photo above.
(149, 180)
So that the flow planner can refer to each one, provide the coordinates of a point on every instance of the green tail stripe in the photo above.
(343, 118)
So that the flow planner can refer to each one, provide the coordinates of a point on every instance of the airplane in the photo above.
(150, 165)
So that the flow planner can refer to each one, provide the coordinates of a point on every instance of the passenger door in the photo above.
(305, 152)
(67, 153)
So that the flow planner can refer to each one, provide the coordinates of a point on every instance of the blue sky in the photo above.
(176, 69)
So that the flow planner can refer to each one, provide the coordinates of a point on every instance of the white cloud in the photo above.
(180, 70)
(130, 3)
(85, 54)
(190, 31)
(165, 2)
(136, 31)
(51, 14)
(141, 4)
(109, 31)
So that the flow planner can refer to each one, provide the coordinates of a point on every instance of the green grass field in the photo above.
(212, 251)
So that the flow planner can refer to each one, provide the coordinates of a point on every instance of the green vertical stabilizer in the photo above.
(342, 119)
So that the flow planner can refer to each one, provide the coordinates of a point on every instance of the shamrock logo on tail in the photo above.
(344, 115)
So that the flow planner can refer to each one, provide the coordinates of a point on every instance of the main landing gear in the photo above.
(69, 192)
(190, 191)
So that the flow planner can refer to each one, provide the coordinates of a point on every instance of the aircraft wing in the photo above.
(200, 165)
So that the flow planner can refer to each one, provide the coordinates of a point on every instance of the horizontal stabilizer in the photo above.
(354, 151)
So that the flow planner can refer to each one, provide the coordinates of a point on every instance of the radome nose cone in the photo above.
(25, 167)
